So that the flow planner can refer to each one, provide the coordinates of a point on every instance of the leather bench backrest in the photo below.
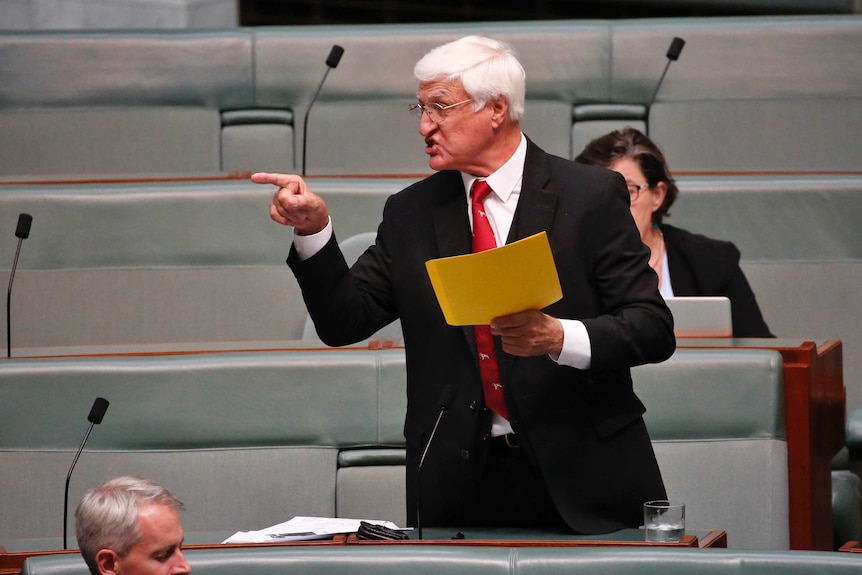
(360, 125)
(481, 560)
(115, 264)
(799, 239)
(284, 415)
(763, 94)
(120, 102)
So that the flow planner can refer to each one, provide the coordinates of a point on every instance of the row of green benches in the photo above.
(748, 93)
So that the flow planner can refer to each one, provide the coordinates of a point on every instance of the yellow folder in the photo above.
(473, 289)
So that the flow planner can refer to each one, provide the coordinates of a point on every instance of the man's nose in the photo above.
(426, 124)
(182, 567)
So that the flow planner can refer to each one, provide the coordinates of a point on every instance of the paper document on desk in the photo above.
(475, 288)
(304, 529)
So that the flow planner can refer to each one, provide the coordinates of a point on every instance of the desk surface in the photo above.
(539, 538)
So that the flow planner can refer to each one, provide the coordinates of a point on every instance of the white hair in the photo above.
(107, 516)
(487, 68)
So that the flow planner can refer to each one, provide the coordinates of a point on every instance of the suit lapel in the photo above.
(452, 231)
(451, 225)
(536, 205)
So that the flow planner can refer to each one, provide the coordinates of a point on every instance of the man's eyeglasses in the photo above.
(635, 190)
(436, 112)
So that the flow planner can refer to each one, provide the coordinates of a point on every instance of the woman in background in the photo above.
(687, 264)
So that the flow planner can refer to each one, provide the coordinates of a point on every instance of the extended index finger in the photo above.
(280, 180)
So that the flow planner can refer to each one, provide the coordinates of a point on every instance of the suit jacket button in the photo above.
(473, 406)
(465, 454)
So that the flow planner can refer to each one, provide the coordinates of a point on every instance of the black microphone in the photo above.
(446, 399)
(97, 412)
(23, 229)
(22, 232)
(332, 61)
(673, 53)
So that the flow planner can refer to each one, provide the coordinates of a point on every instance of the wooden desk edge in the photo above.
(716, 539)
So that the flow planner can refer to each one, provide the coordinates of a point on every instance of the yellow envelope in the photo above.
(473, 289)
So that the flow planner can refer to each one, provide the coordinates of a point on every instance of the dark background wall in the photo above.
(297, 12)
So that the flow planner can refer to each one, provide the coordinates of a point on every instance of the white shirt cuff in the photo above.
(307, 246)
(576, 352)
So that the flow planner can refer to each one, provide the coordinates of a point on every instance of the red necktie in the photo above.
(483, 239)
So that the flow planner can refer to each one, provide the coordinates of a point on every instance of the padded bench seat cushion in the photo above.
(739, 394)
(224, 490)
(479, 560)
(243, 399)
(110, 140)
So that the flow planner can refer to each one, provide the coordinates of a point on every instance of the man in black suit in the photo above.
(569, 448)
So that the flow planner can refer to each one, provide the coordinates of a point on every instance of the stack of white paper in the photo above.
(304, 529)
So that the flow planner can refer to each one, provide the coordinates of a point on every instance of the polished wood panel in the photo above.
(624, 538)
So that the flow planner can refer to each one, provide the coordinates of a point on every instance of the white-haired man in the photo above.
(131, 526)
(545, 430)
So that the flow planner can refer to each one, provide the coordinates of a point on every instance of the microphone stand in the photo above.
(673, 53)
(9, 301)
(68, 478)
(97, 412)
(419, 471)
(22, 232)
(445, 401)
(331, 62)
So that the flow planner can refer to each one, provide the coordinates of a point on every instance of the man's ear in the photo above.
(500, 110)
(106, 560)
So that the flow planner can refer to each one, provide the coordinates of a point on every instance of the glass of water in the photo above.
(664, 520)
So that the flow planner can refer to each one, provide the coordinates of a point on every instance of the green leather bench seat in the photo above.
(766, 94)
(258, 432)
(361, 124)
(130, 102)
(748, 93)
(156, 262)
(108, 140)
(472, 560)
(854, 434)
(799, 239)
(283, 433)
(846, 506)
(159, 262)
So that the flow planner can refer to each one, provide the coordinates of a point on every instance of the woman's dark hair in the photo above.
(631, 143)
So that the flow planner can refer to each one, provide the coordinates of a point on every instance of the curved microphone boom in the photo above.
(332, 61)
(673, 52)
(446, 399)
(22, 232)
(97, 412)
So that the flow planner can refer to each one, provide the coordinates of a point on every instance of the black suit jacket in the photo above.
(702, 266)
(584, 429)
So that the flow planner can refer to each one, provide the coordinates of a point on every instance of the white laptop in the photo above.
(701, 316)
